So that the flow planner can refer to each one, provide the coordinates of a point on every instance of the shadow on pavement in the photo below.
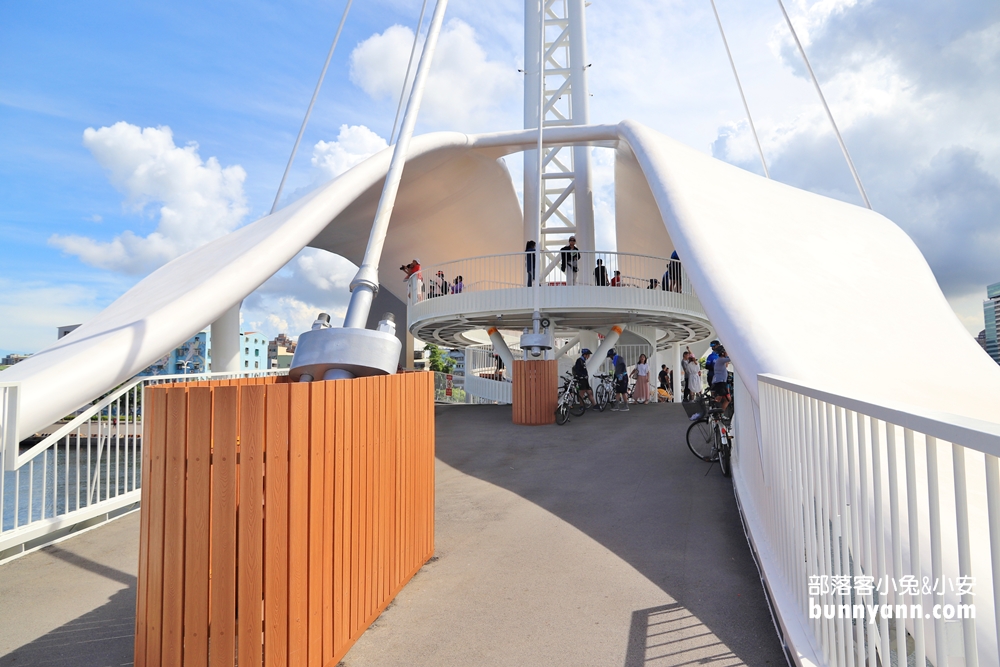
(101, 638)
(629, 481)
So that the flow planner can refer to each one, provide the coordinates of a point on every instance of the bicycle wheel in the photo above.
(577, 407)
(701, 440)
(725, 448)
(603, 396)
(562, 413)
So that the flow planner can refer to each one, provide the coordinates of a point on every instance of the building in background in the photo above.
(12, 359)
(280, 352)
(991, 315)
(192, 356)
(253, 351)
(65, 329)
(458, 356)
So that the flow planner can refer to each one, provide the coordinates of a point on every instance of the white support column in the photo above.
(602, 352)
(226, 341)
(500, 347)
(678, 374)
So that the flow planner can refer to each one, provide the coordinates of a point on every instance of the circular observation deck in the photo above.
(447, 300)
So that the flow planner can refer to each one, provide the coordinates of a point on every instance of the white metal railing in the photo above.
(88, 465)
(878, 526)
(510, 271)
(484, 380)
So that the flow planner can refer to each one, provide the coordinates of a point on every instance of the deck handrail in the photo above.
(509, 271)
(841, 487)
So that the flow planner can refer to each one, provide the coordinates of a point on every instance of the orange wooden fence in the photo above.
(279, 519)
(535, 392)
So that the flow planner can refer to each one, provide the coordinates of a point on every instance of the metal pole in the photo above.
(305, 121)
(409, 66)
(365, 283)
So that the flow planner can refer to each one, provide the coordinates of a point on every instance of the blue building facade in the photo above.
(191, 356)
(253, 351)
(991, 313)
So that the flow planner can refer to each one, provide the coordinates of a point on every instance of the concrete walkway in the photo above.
(601, 542)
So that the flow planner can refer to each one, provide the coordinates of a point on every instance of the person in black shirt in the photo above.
(570, 255)
(529, 260)
(582, 376)
(601, 274)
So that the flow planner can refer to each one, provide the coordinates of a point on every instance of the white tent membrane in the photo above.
(795, 283)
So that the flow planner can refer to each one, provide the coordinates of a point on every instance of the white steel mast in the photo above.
(566, 203)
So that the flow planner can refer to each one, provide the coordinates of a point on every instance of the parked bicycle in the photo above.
(569, 400)
(710, 437)
(605, 392)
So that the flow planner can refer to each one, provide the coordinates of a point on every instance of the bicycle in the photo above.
(605, 392)
(569, 400)
(710, 438)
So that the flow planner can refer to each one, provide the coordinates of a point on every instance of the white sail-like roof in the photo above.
(795, 283)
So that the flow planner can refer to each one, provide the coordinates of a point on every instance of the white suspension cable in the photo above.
(746, 107)
(829, 114)
(409, 65)
(312, 102)
(365, 283)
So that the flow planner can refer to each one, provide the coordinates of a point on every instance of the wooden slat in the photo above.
(276, 527)
(154, 596)
(298, 525)
(224, 479)
(328, 583)
(341, 598)
(175, 456)
(250, 531)
(317, 439)
(357, 567)
(142, 584)
(364, 399)
(197, 525)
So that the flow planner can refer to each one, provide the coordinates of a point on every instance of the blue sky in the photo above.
(915, 86)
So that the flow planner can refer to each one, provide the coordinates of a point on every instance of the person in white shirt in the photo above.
(641, 375)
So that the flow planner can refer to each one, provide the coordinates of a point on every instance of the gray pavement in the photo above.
(601, 542)
(72, 603)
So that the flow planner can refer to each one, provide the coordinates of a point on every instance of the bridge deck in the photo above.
(601, 542)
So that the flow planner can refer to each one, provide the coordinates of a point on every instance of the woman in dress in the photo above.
(692, 373)
(641, 375)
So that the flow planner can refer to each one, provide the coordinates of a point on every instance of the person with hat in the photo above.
(582, 376)
(720, 377)
(621, 380)
(413, 269)
(570, 257)
(710, 361)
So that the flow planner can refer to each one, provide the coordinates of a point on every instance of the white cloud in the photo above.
(314, 281)
(466, 90)
(198, 200)
(913, 87)
(353, 145)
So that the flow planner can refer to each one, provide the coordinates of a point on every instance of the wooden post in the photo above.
(535, 392)
(314, 504)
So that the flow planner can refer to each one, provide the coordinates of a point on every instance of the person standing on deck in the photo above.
(570, 258)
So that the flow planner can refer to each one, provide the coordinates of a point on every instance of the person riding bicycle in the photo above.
(721, 371)
(621, 380)
(582, 376)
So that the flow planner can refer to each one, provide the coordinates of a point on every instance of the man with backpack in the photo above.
(582, 376)
(621, 380)
(710, 361)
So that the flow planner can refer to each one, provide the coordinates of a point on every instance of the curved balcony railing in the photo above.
(514, 270)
